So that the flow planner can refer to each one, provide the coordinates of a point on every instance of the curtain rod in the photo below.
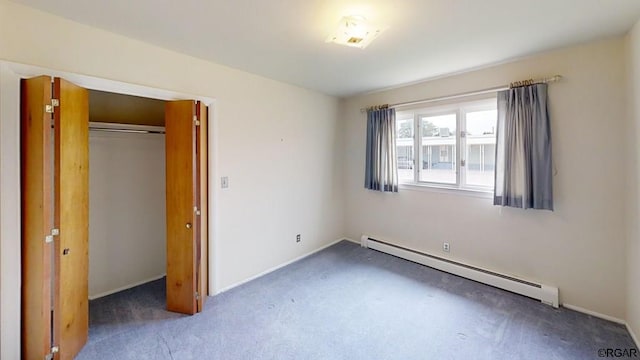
(467, 94)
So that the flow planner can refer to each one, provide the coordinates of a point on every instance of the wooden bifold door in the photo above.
(55, 193)
(55, 206)
(186, 167)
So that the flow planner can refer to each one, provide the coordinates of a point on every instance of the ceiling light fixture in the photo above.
(355, 31)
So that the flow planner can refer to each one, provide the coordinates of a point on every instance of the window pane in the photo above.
(481, 147)
(438, 149)
(404, 149)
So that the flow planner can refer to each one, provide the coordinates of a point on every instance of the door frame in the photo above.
(10, 194)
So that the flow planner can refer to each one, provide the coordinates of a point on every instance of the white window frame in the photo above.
(460, 109)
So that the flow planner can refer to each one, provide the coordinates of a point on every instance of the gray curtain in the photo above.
(381, 171)
(523, 149)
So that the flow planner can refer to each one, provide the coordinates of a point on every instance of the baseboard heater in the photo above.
(546, 294)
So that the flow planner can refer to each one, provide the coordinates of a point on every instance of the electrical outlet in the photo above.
(298, 239)
(445, 247)
(224, 182)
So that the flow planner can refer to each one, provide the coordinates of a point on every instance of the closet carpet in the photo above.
(347, 302)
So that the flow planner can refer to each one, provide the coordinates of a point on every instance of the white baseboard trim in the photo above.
(278, 267)
(594, 313)
(633, 335)
(129, 286)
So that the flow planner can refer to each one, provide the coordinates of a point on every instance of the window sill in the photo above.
(443, 189)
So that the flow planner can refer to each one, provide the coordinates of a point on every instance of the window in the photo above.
(457, 145)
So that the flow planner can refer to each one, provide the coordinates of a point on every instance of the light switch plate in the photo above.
(224, 182)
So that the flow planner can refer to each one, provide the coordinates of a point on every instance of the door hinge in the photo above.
(50, 107)
(196, 211)
(49, 238)
(54, 350)
(463, 163)
(197, 296)
(195, 120)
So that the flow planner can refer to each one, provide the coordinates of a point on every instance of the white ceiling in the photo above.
(285, 39)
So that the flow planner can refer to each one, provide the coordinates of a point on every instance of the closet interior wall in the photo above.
(127, 221)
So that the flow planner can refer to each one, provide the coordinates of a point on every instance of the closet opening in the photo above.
(127, 210)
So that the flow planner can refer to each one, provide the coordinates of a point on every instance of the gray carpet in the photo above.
(347, 302)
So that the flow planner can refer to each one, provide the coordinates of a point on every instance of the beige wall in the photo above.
(9, 220)
(280, 145)
(580, 247)
(633, 214)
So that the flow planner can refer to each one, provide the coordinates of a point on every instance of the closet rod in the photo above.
(121, 130)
